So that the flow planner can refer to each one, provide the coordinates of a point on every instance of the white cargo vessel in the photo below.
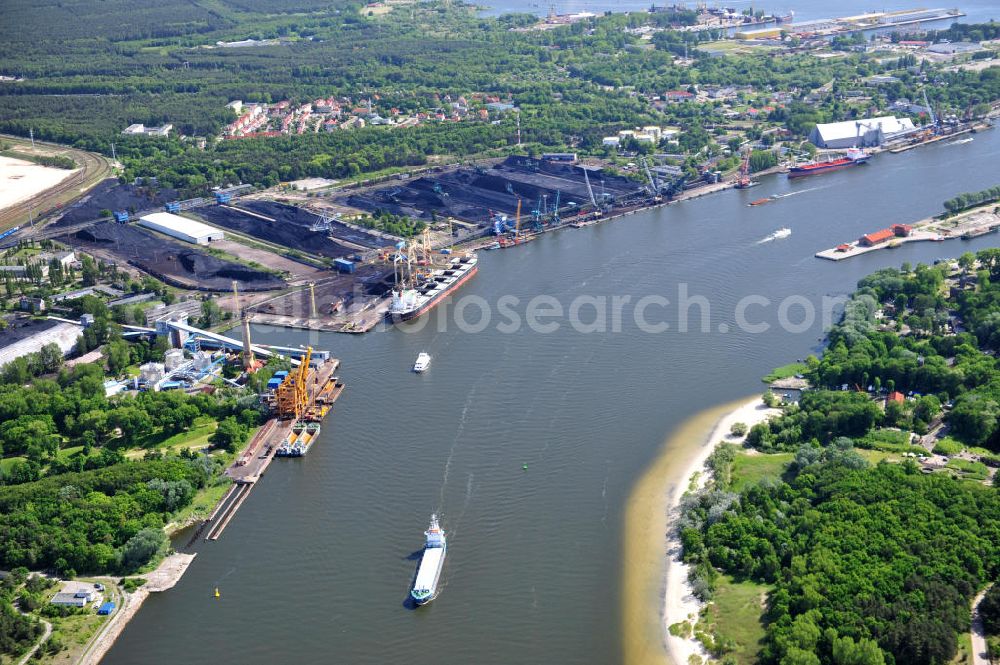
(425, 586)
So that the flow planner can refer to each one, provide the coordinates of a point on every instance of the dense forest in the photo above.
(870, 564)
(573, 84)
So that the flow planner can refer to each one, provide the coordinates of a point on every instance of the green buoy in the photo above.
(524, 466)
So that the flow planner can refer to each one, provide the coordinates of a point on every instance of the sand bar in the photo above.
(655, 591)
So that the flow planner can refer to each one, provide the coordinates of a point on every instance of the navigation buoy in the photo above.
(217, 595)
(524, 467)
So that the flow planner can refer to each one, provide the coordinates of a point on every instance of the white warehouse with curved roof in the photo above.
(181, 228)
(861, 133)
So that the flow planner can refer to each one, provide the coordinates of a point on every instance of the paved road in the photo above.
(114, 593)
(979, 653)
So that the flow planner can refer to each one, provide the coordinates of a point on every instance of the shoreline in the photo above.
(655, 592)
(164, 577)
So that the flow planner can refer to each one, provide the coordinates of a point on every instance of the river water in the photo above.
(315, 567)
(976, 11)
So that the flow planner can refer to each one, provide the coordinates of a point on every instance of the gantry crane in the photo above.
(293, 393)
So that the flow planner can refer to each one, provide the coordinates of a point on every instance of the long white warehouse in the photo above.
(861, 133)
(182, 228)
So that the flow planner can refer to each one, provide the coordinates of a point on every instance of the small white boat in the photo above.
(423, 362)
(782, 233)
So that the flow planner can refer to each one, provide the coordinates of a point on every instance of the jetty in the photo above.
(967, 225)
(322, 390)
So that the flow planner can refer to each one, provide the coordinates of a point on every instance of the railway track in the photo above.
(92, 169)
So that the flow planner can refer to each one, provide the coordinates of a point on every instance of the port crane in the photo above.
(590, 192)
(930, 110)
(655, 189)
(555, 209)
(292, 396)
(743, 180)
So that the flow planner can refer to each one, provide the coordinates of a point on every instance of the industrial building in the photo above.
(188, 309)
(181, 228)
(865, 133)
(139, 128)
(78, 596)
(20, 341)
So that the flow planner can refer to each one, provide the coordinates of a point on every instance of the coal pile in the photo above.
(172, 262)
(112, 195)
(284, 233)
(18, 329)
(474, 194)
(282, 214)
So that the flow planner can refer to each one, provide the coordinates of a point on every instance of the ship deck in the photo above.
(430, 565)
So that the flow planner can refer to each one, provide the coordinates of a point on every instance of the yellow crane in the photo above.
(293, 393)
(517, 219)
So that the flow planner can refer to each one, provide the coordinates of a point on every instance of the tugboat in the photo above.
(425, 586)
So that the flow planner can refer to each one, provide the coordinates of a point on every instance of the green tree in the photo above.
(141, 547)
(119, 356)
(229, 434)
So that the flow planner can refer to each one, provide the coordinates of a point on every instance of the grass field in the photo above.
(196, 437)
(7, 462)
(948, 446)
(889, 440)
(964, 654)
(968, 469)
(750, 469)
(785, 372)
(735, 616)
(876, 456)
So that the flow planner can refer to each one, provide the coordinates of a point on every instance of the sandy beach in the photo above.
(20, 180)
(656, 592)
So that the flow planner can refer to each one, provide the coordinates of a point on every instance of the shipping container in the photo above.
(343, 265)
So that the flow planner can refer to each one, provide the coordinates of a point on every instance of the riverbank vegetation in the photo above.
(89, 483)
(865, 556)
(971, 200)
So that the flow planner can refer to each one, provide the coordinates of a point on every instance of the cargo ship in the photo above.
(760, 202)
(414, 296)
(425, 585)
(852, 158)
